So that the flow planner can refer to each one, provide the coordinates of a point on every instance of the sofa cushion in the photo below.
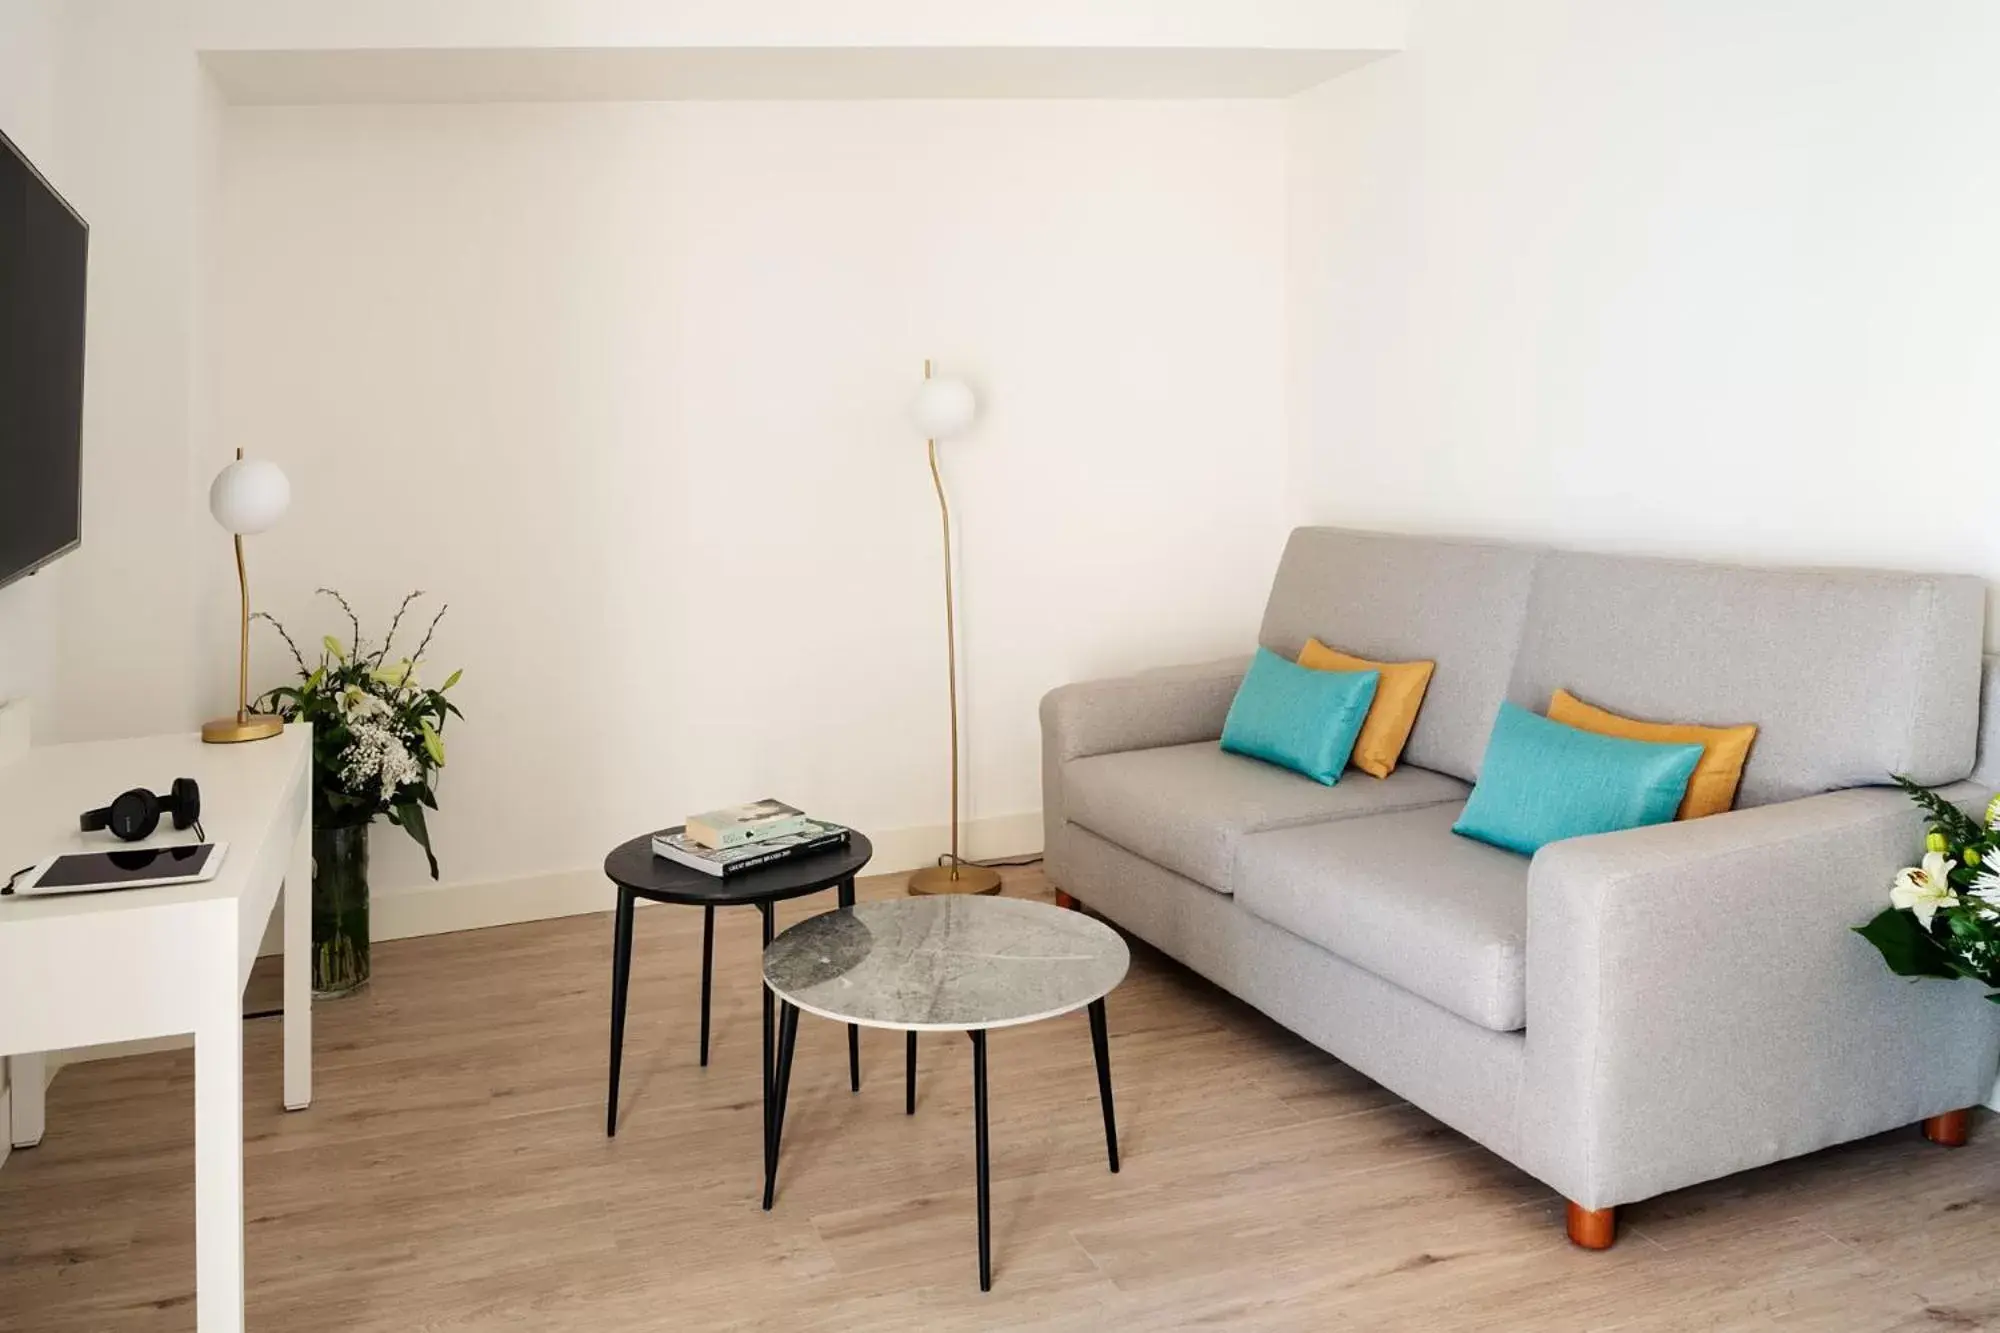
(1849, 675)
(1400, 895)
(1543, 781)
(1299, 718)
(1712, 789)
(1395, 599)
(1186, 807)
(1398, 695)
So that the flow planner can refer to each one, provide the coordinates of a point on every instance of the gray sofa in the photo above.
(1620, 1015)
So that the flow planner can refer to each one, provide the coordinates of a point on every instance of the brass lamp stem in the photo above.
(950, 644)
(243, 653)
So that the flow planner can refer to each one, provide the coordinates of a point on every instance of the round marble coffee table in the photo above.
(944, 964)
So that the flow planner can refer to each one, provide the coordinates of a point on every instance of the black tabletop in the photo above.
(633, 866)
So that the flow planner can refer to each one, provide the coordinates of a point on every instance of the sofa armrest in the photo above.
(1168, 706)
(1697, 1004)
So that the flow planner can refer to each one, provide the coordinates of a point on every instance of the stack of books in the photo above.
(737, 838)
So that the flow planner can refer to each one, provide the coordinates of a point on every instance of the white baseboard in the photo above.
(452, 907)
(440, 910)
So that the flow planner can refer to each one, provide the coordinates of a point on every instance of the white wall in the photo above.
(1688, 277)
(117, 652)
(625, 383)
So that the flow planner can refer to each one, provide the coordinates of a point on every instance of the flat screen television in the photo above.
(43, 246)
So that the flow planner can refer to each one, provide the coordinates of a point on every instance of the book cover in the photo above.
(676, 846)
(755, 821)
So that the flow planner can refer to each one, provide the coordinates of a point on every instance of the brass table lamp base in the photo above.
(959, 878)
(230, 730)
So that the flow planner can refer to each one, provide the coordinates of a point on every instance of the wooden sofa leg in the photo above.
(1951, 1129)
(1592, 1228)
(1064, 900)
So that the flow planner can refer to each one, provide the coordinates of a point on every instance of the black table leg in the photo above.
(910, 1072)
(1100, 1045)
(846, 899)
(621, 976)
(788, 1037)
(707, 972)
(770, 1055)
(979, 1151)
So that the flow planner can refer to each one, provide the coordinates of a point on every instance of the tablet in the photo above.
(130, 868)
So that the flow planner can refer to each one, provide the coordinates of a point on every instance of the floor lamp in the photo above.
(942, 410)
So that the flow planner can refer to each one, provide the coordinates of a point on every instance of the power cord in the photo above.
(999, 863)
(8, 891)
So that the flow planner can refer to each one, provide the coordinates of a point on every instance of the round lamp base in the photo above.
(960, 878)
(230, 730)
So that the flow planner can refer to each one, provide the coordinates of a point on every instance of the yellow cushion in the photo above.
(1398, 696)
(1712, 789)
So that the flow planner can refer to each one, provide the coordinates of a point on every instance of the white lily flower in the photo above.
(1925, 888)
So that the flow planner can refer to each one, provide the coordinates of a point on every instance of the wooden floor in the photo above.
(453, 1174)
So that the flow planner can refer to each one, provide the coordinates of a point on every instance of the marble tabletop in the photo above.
(945, 963)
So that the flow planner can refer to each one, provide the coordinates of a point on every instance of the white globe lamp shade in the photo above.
(249, 495)
(943, 409)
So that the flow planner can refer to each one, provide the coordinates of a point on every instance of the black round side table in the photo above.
(640, 874)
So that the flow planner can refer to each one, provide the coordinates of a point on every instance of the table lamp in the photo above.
(942, 410)
(246, 497)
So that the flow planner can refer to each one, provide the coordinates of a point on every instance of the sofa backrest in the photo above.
(1397, 598)
(1850, 675)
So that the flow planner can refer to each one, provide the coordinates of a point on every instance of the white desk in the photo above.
(93, 968)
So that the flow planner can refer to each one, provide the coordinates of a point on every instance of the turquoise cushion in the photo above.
(1542, 781)
(1298, 718)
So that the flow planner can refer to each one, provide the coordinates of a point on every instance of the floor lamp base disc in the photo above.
(960, 878)
(229, 731)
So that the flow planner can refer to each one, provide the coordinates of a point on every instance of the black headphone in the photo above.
(136, 813)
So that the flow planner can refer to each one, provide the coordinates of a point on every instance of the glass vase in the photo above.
(339, 909)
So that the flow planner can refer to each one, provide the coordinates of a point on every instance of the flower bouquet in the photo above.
(1944, 914)
(378, 743)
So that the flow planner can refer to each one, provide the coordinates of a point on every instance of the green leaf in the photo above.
(1906, 946)
(1958, 827)
(334, 649)
(451, 680)
(410, 817)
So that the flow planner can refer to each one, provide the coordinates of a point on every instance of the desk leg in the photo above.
(218, 1146)
(28, 1076)
(298, 970)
